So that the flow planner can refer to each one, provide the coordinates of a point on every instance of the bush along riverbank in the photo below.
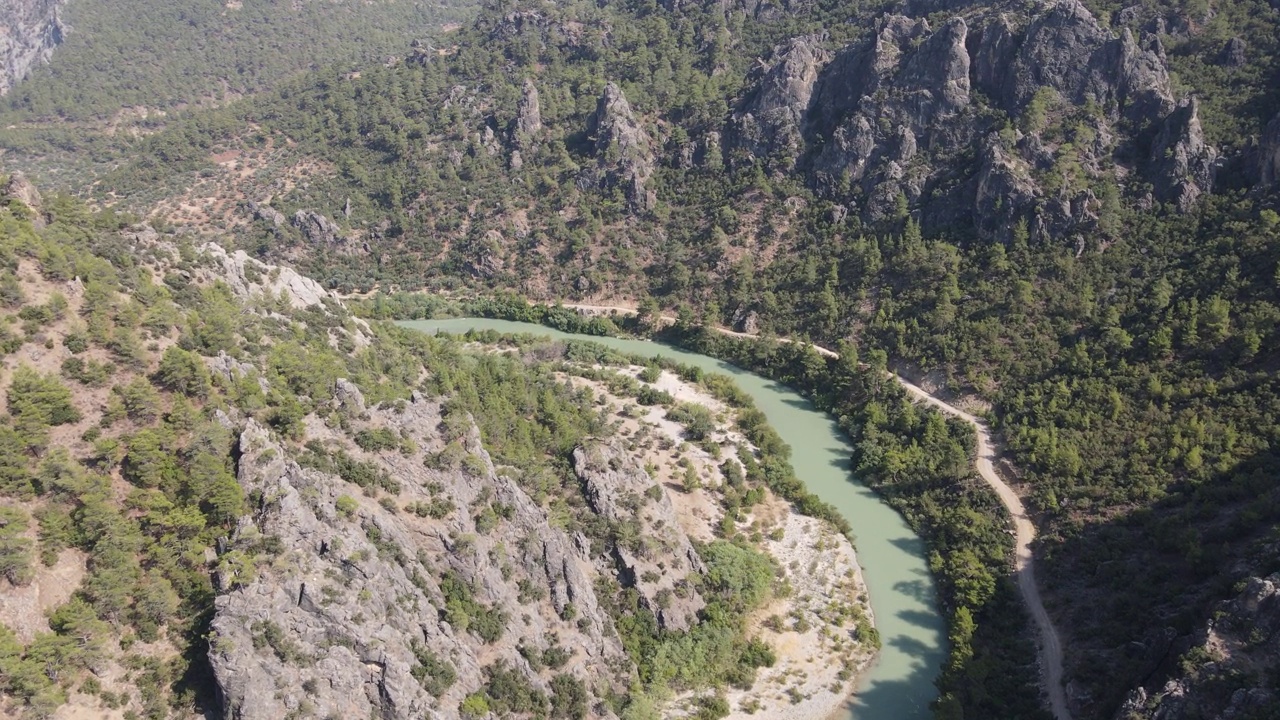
(915, 458)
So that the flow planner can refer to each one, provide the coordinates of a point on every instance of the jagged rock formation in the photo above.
(29, 32)
(1065, 49)
(528, 122)
(893, 118)
(658, 559)
(908, 87)
(1183, 164)
(769, 121)
(623, 150)
(317, 228)
(1233, 53)
(1223, 678)
(358, 594)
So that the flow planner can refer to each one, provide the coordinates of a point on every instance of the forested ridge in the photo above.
(1093, 251)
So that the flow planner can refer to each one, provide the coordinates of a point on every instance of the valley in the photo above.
(998, 285)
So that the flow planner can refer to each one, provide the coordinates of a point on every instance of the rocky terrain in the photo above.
(891, 116)
(30, 30)
(367, 544)
(1222, 673)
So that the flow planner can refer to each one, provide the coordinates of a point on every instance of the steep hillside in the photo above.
(224, 496)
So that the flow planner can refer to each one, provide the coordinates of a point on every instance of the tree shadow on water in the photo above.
(896, 694)
(920, 618)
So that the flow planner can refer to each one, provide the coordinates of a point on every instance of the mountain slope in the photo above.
(224, 495)
(129, 54)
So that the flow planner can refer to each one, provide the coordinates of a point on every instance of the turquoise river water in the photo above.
(900, 684)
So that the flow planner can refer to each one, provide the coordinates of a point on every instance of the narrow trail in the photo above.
(1050, 646)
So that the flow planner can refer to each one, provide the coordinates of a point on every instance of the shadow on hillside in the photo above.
(1129, 596)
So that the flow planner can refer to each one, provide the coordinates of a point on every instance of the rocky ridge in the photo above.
(891, 118)
(30, 30)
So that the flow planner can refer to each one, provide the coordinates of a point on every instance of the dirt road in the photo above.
(1024, 564)
(1025, 530)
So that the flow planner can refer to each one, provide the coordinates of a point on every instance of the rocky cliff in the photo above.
(899, 116)
(29, 32)
(374, 611)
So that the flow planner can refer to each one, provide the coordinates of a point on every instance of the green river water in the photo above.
(900, 685)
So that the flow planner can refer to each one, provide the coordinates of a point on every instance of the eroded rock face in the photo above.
(893, 118)
(655, 555)
(1268, 157)
(1233, 53)
(1243, 635)
(268, 214)
(247, 277)
(914, 85)
(339, 620)
(528, 119)
(24, 191)
(1182, 164)
(29, 32)
(1004, 189)
(769, 123)
(623, 149)
(317, 228)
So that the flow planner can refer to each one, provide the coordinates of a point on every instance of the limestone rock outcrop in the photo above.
(1267, 160)
(1182, 164)
(624, 151)
(247, 277)
(30, 30)
(904, 116)
(655, 556)
(317, 228)
(1242, 637)
(528, 123)
(22, 190)
(770, 121)
(360, 606)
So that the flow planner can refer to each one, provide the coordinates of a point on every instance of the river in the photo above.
(900, 684)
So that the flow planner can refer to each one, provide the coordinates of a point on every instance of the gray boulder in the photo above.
(317, 228)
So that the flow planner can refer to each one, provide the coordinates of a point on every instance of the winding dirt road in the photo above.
(1024, 563)
(1025, 531)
